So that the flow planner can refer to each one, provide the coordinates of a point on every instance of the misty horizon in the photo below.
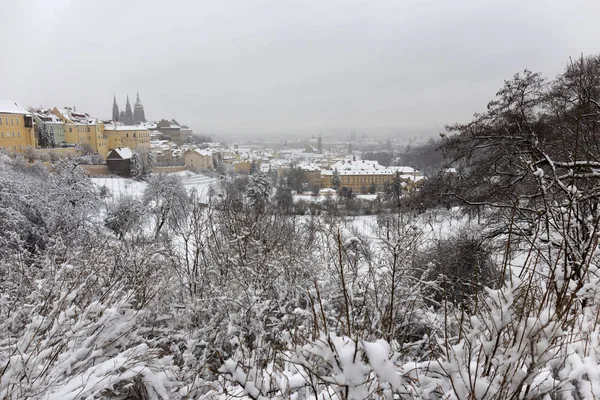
(270, 68)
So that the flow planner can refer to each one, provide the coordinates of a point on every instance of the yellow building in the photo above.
(198, 159)
(229, 156)
(114, 141)
(134, 137)
(81, 129)
(242, 167)
(16, 127)
(312, 172)
(359, 175)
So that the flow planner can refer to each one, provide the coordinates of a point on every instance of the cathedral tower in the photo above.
(115, 112)
(128, 113)
(138, 111)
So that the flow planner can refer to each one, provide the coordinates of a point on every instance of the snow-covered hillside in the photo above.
(118, 186)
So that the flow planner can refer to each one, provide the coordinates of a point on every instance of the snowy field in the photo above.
(125, 186)
(433, 225)
(321, 198)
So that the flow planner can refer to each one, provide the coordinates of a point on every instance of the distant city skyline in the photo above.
(246, 67)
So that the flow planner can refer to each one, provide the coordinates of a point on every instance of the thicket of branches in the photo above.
(167, 295)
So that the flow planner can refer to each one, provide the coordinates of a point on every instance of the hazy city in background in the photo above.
(241, 69)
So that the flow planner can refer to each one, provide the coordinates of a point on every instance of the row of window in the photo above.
(144, 134)
(7, 134)
(81, 129)
(12, 121)
(14, 147)
(371, 179)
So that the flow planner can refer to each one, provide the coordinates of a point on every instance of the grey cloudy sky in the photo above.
(271, 66)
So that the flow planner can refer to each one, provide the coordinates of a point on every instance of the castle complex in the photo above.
(128, 117)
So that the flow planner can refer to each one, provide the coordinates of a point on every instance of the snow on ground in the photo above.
(312, 198)
(119, 186)
(320, 198)
(369, 197)
(201, 183)
(125, 186)
(434, 224)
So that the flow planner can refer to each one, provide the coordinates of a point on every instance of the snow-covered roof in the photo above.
(12, 107)
(149, 125)
(48, 118)
(163, 144)
(309, 167)
(77, 117)
(365, 167)
(124, 152)
(170, 126)
(64, 112)
(265, 167)
(203, 152)
(280, 163)
(403, 170)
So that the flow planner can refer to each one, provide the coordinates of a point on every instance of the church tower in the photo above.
(115, 113)
(320, 144)
(128, 113)
(138, 111)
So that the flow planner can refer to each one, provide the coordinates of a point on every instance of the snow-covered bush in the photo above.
(259, 190)
(73, 346)
(462, 265)
(125, 214)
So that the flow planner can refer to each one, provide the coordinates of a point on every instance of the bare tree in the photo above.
(533, 157)
(167, 201)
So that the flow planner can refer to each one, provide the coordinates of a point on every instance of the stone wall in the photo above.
(95, 170)
(61, 151)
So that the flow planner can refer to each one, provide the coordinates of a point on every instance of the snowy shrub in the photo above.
(124, 215)
(258, 191)
(461, 265)
(166, 199)
(76, 335)
(141, 164)
(333, 367)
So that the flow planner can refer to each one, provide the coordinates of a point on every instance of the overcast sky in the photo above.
(274, 66)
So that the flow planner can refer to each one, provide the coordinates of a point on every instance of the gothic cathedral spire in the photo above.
(138, 111)
(128, 113)
(115, 110)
